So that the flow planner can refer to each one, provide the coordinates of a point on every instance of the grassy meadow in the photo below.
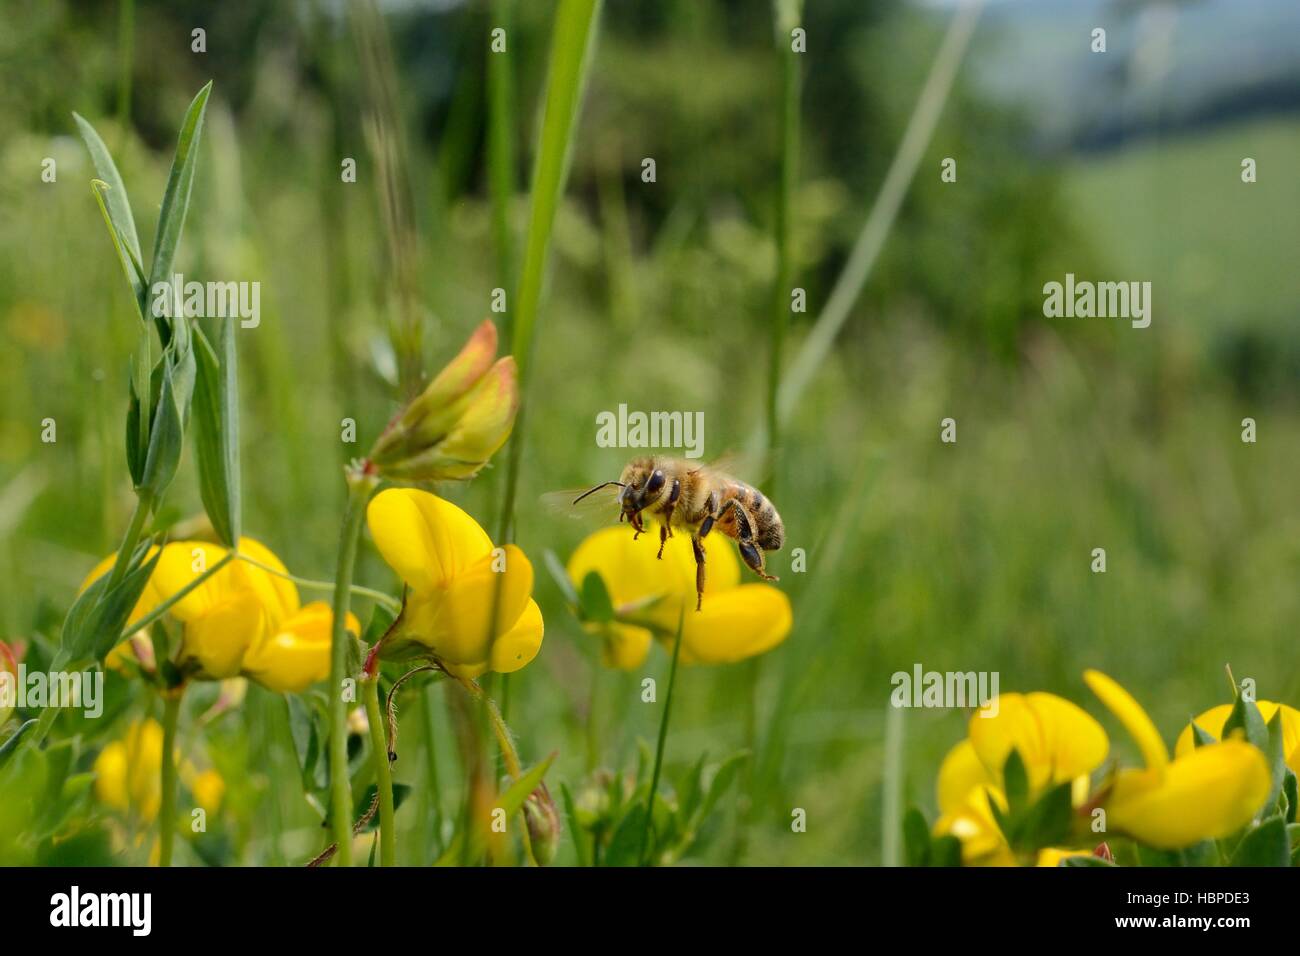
(1072, 434)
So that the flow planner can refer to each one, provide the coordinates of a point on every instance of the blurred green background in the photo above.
(1073, 434)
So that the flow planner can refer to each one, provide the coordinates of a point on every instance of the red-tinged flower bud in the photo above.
(459, 421)
(543, 825)
(8, 682)
(1103, 851)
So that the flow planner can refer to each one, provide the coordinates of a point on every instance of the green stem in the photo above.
(659, 748)
(360, 485)
(167, 815)
(379, 597)
(143, 506)
(383, 772)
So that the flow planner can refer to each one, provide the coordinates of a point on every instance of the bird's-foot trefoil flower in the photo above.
(240, 620)
(650, 596)
(468, 605)
(1203, 793)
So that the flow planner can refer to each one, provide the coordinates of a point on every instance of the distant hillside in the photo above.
(1167, 65)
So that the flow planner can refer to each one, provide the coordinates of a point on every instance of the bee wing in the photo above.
(749, 466)
(599, 506)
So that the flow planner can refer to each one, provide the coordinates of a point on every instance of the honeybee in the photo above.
(697, 499)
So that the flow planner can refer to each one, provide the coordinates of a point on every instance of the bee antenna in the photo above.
(592, 491)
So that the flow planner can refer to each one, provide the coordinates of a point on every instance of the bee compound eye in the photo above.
(655, 483)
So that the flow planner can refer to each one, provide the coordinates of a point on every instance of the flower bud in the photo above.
(8, 682)
(451, 429)
(543, 825)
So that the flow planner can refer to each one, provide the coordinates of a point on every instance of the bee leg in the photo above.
(666, 529)
(749, 550)
(634, 520)
(698, 547)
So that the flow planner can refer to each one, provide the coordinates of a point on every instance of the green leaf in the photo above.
(561, 578)
(1264, 845)
(1199, 737)
(8, 746)
(1047, 823)
(1085, 861)
(166, 437)
(117, 208)
(98, 617)
(1016, 780)
(916, 838)
(722, 779)
(1276, 759)
(216, 430)
(596, 604)
(1289, 790)
(625, 843)
(581, 838)
(176, 198)
(571, 43)
(1246, 717)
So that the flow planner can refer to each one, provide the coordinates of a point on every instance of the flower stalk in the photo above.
(383, 768)
(167, 815)
(361, 482)
(644, 854)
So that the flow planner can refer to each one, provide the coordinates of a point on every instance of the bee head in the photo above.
(643, 484)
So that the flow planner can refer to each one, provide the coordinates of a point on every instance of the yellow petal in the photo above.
(181, 563)
(110, 776)
(960, 774)
(973, 823)
(623, 646)
(736, 624)
(1209, 793)
(487, 420)
(1056, 739)
(218, 639)
(633, 574)
(208, 789)
(426, 540)
(519, 645)
(297, 654)
(1055, 856)
(277, 593)
(1212, 721)
(456, 622)
(1130, 713)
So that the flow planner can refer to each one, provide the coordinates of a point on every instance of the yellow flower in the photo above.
(128, 774)
(459, 421)
(295, 655)
(1212, 722)
(456, 580)
(1057, 741)
(241, 620)
(127, 771)
(1204, 793)
(8, 682)
(736, 621)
